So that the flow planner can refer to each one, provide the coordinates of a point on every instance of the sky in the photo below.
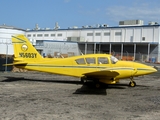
(26, 14)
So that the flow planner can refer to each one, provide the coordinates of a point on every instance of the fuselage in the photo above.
(78, 66)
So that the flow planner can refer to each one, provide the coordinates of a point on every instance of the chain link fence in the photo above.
(140, 57)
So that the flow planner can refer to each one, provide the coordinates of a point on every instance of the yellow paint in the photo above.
(27, 57)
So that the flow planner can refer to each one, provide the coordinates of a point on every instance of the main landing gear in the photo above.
(96, 83)
(132, 83)
(83, 80)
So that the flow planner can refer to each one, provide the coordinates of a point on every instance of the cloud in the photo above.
(143, 12)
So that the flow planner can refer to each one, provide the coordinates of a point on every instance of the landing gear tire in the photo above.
(132, 84)
(97, 85)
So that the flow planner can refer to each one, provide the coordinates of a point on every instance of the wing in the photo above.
(102, 74)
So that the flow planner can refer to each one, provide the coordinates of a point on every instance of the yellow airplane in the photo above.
(100, 68)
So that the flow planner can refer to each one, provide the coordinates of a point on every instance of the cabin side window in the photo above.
(114, 60)
(80, 61)
(91, 60)
(103, 60)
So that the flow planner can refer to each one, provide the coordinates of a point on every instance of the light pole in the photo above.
(6, 57)
(8, 42)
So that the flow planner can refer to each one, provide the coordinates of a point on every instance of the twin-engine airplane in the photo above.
(100, 68)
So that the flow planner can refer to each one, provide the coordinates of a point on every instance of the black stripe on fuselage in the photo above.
(64, 66)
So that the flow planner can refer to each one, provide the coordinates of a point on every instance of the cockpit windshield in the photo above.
(114, 60)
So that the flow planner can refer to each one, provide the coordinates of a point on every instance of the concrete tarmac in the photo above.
(41, 96)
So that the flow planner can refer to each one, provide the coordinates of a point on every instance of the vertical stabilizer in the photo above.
(24, 50)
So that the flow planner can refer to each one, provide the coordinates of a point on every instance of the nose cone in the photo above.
(142, 69)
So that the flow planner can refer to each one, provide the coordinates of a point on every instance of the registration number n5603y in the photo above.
(28, 55)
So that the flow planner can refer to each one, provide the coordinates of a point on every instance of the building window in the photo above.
(52, 35)
(98, 34)
(131, 39)
(59, 35)
(118, 33)
(39, 43)
(143, 38)
(29, 35)
(45, 35)
(107, 34)
(34, 35)
(39, 35)
(89, 34)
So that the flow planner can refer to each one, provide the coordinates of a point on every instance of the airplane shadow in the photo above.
(90, 89)
(87, 88)
(13, 79)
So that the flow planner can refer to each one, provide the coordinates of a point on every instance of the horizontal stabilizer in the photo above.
(17, 63)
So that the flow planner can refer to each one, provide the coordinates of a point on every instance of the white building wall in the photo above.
(129, 35)
(7, 33)
(147, 35)
(6, 46)
(137, 34)
(72, 33)
(121, 34)
(98, 35)
(158, 56)
(156, 34)
(117, 33)
(106, 35)
(87, 38)
(112, 35)
(47, 36)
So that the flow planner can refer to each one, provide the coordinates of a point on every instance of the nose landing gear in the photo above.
(132, 83)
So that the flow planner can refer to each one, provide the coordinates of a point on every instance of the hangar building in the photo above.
(6, 33)
(131, 40)
(6, 47)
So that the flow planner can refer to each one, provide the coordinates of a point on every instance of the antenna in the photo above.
(56, 26)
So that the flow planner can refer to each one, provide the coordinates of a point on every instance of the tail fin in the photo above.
(23, 50)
